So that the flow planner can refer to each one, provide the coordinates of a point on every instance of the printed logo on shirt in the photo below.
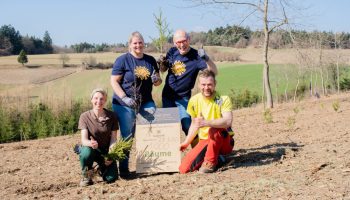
(178, 68)
(142, 72)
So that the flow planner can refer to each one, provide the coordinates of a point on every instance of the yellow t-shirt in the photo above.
(209, 109)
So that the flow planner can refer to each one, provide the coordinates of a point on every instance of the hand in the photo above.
(199, 122)
(155, 77)
(150, 110)
(129, 101)
(108, 162)
(203, 55)
(93, 143)
(183, 146)
(162, 63)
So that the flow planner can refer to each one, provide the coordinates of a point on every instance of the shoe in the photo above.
(207, 167)
(87, 178)
(85, 182)
(124, 174)
(77, 148)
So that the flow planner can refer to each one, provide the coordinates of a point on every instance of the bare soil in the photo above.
(303, 154)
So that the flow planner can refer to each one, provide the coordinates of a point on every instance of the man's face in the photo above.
(207, 86)
(182, 43)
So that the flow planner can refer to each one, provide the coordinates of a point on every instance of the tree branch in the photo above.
(285, 20)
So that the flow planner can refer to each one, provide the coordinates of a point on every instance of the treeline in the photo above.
(85, 47)
(12, 42)
(242, 37)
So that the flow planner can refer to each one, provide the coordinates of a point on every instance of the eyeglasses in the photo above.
(182, 42)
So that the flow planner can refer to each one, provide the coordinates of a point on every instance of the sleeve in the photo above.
(191, 108)
(154, 64)
(119, 66)
(169, 55)
(226, 105)
(201, 62)
(82, 123)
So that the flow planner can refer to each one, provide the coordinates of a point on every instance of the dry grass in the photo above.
(246, 55)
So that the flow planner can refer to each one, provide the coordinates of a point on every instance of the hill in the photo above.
(303, 154)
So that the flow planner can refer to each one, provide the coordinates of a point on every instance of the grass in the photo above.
(78, 85)
(249, 76)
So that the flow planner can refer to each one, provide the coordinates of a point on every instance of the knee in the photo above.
(214, 133)
(86, 153)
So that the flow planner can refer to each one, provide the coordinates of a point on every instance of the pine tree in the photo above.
(22, 57)
(47, 42)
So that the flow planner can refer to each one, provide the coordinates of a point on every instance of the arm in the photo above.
(85, 140)
(224, 122)
(211, 66)
(115, 83)
(113, 139)
(192, 132)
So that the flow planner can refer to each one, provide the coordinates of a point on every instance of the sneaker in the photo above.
(87, 178)
(207, 167)
(85, 182)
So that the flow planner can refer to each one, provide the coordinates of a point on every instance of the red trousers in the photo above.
(218, 142)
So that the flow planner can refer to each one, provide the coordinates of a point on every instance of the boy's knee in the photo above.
(86, 153)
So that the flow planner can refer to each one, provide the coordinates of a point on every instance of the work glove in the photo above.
(202, 54)
(162, 63)
(154, 77)
(150, 110)
(129, 101)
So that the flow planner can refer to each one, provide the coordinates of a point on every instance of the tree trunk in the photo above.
(267, 87)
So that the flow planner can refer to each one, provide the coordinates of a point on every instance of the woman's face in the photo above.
(98, 101)
(136, 45)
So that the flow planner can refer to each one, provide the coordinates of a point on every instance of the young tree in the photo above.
(270, 21)
(163, 30)
(22, 57)
(64, 59)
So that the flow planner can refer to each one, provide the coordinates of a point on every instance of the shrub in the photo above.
(345, 84)
(268, 116)
(243, 99)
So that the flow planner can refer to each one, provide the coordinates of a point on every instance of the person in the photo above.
(133, 75)
(183, 64)
(98, 133)
(211, 120)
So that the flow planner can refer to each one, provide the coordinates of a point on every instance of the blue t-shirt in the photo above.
(182, 73)
(136, 81)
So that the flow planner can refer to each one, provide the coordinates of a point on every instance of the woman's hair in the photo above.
(135, 34)
(100, 90)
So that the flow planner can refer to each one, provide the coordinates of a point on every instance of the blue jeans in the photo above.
(182, 105)
(127, 122)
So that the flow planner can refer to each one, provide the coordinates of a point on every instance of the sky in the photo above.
(112, 21)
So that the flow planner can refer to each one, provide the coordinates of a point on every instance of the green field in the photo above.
(232, 76)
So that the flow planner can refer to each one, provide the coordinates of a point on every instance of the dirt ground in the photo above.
(303, 154)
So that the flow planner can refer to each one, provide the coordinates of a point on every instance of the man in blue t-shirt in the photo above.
(183, 64)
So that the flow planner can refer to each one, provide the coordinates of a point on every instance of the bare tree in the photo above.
(64, 58)
(269, 23)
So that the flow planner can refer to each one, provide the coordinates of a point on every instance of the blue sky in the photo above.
(111, 21)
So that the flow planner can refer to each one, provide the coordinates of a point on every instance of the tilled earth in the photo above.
(304, 153)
